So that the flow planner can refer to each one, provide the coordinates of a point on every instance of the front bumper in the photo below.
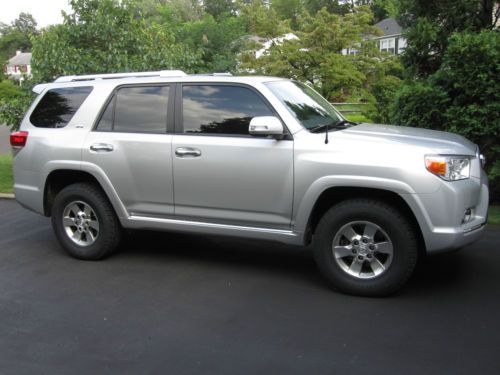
(441, 214)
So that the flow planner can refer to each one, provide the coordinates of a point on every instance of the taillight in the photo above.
(18, 139)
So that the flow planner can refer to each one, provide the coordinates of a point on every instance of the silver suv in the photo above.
(255, 157)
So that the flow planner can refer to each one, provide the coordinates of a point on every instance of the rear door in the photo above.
(222, 174)
(132, 146)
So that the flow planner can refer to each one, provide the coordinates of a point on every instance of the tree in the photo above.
(289, 10)
(105, 36)
(14, 101)
(25, 24)
(219, 8)
(332, 6)
(172, 12)
(384, 8)
(261, 20)
(429, 24)
(462, 96)
(219, 41)
(315, 56)
(17, 36)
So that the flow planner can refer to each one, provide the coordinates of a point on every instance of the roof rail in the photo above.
(92, 77)
(222, 74)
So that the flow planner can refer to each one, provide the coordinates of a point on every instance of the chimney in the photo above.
(18, 52)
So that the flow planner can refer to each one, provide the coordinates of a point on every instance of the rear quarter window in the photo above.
(57, 107)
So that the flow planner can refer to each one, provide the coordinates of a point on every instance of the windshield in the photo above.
(308, 107)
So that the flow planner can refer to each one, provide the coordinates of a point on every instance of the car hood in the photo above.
(433, 140)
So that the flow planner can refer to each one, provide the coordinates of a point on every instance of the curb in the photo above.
(7, 196)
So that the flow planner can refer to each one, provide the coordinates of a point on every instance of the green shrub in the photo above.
(14, 103)
(9, 90)
(463, 97)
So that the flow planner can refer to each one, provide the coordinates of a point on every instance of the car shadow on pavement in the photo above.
(233, 253)
(434, 274)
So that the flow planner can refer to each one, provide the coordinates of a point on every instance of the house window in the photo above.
(387, 45)
(401, 45)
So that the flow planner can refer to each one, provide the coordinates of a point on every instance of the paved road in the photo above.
(4, 140)
(172, 304)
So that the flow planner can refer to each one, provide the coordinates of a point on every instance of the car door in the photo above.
(132, 147)
(222, 174)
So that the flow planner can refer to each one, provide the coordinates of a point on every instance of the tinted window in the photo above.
(137, 109)
(57, 107)
(220, 109)
(106, 121)
(141, 109)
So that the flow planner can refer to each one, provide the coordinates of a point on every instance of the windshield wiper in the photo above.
(346, 122)
(343, 124)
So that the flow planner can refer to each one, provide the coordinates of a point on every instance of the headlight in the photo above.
(449, 168)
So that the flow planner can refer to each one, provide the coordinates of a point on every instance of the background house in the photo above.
(390, 41)
(18, 66)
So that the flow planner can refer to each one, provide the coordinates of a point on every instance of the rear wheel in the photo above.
(84, 222)
(365, 247)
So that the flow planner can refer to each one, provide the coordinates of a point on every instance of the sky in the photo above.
(45, 12)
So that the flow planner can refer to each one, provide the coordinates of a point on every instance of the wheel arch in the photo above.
(333, 195)
(58, 179)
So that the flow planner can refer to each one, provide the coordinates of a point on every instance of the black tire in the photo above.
(101, 242)
(351, 214)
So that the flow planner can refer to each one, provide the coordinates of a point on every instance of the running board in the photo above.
(280, 235)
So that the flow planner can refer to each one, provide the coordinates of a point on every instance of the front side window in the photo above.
(220, 109)
(136, 109)
(306, 105)
(57, 107)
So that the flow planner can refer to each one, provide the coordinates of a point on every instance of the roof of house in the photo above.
(23, 58)
(389, 26)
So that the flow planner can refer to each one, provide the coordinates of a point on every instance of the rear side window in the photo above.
(136, 110)
(220, 109)
(57, 107)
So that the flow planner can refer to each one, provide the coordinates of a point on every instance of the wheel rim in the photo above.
(363, 250)
(80, 223)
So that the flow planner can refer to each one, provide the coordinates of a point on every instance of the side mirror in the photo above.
(265, 125)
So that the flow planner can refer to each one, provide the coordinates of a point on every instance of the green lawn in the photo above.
(356, 117)
(6, 174)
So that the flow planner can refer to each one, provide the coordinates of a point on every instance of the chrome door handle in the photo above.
(101, 147)
(187, 151)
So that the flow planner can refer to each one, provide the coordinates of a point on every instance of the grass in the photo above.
(494, 215)
(356, 117)
(6, 180)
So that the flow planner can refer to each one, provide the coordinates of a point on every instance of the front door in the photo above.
(222, 174)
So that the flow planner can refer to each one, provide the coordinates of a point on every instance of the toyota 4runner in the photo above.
(255, 157)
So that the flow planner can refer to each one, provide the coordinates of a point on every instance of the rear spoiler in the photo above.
(38, 89)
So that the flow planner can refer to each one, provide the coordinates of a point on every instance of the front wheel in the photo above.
(84, 222)
(365, 247)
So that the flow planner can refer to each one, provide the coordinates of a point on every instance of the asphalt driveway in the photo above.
(176, 304)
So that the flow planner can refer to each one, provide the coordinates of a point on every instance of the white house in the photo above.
(18, 66)
(390, 41)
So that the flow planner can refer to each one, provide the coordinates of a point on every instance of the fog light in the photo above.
(467, 216)
(483, 160)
